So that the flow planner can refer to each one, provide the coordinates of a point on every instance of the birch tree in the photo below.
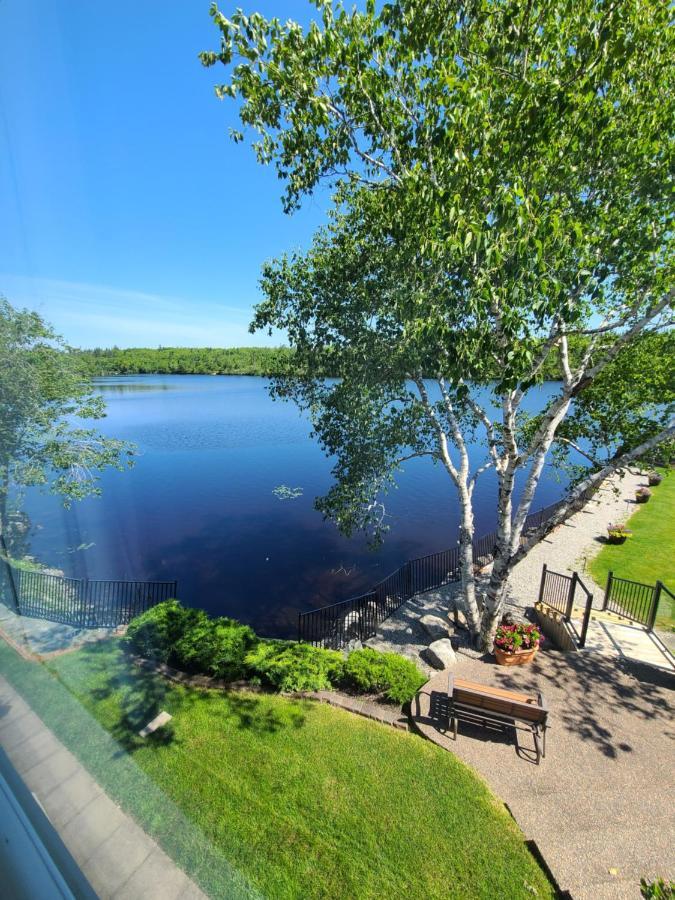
(501, 176)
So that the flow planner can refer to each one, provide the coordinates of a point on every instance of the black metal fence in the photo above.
(359, 617)
(80, 602)
(631, 599)
(634, 600)
(559, 592)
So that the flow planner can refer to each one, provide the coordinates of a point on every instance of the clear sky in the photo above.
(128, 216)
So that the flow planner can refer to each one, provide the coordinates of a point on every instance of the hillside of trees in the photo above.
(258, 360)
(185, 361)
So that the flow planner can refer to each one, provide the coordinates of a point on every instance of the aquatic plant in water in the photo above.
(284, 492)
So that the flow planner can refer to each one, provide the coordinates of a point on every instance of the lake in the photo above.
(201, 504)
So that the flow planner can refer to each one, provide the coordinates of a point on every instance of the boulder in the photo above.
(435, 627)
(459, 619)
(440, 654)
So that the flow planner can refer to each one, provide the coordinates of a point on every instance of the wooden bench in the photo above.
(480, 704)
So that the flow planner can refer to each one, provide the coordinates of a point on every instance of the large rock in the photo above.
(459, 618)
(440, 654)
(435, 627)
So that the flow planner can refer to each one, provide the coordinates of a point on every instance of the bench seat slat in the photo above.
(507, 703)
(495, 691)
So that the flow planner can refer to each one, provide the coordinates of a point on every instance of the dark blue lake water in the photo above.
(200, 505)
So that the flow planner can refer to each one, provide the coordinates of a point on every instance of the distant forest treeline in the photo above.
(250, 360)
(186, 361)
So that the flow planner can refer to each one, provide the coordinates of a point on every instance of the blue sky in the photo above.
(128, 215)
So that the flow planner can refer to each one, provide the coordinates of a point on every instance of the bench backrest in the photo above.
(497, 700)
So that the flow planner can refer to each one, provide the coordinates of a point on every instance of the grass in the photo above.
(649, 555)
(262, 794)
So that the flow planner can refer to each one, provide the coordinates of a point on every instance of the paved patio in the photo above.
(116, 856)
(627, 640)
(40, 637)
(599, 807)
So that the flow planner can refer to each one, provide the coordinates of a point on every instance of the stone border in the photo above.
(367, 706)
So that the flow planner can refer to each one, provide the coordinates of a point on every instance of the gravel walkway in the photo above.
(573, 544)
(565, 549)
(599, 807)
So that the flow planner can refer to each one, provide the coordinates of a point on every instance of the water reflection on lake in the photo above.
(202, 504)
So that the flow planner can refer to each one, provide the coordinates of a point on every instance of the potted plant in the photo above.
(617, 534)
(642, 495)
(516, 644)
(654, 478)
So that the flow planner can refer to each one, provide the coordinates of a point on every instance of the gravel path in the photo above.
(599, 807)
(570, 546)
(565, 549)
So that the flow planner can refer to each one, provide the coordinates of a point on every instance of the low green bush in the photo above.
(296, 667)
(374, 672)
(155, 633)
(216, 647)
(224, 648)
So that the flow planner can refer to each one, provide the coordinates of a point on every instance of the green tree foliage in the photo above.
(631, 401)
(45, 402)
(186, 361)
(502, 176)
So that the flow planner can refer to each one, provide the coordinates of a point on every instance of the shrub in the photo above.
(642, 494)
(215, 647)
(657, 890)
(371, 671)
(155, 633)
(296, 667)
(517, 637)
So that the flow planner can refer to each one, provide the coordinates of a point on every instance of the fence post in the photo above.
(10, 573)
(608, 590)
(655, 605)
(407, 580)
(84, 600)
(584, 624)
(570, 596)
(542, 584)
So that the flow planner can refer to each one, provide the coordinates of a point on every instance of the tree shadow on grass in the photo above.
(142, 695)
(252, 713)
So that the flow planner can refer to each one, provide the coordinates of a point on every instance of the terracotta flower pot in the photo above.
(515, 658)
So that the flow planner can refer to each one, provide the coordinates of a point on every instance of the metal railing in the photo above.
(558, 592)
(634, 600)
(359, 617)
(81, 603)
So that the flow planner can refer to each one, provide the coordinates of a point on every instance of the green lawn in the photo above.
(289, 798)
(649, 555)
